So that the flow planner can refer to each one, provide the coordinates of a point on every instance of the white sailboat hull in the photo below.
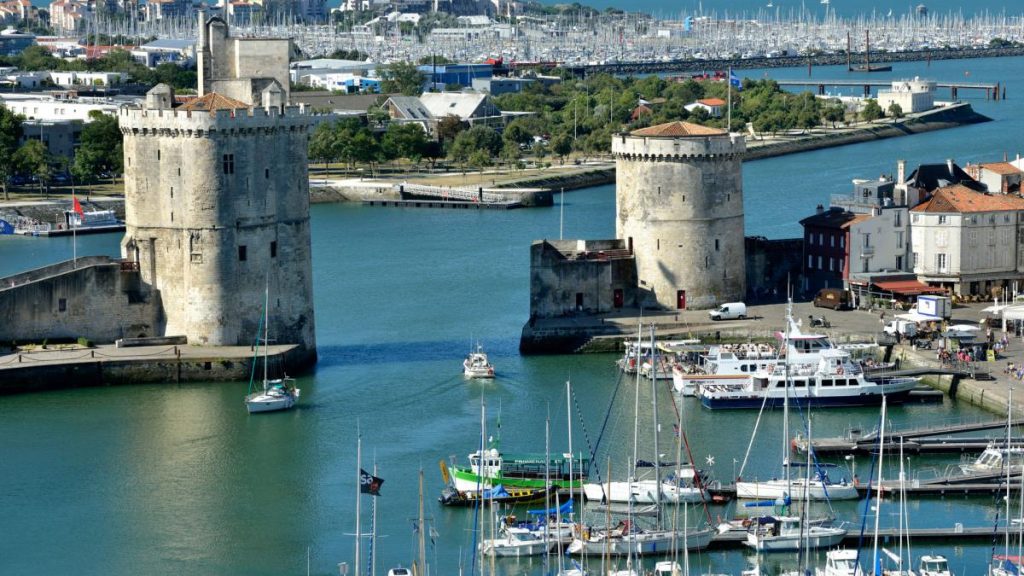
(652, 542)
(269, 402)
(775, 489)
(505, 548)
(639, 492)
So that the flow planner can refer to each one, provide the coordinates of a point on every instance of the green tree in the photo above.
(34, 159)
(872, 111)
(404, 141)
(478, 138)
(561, 145)
(10, 134)
(834, 113)
(101, 148)
(402, 77)
(896, 111)
(449, 127)
(324, 145)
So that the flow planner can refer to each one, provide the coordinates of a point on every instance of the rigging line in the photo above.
(818, 470)
(698, 480)
(607, 415)
(867, 501)
(586, 436)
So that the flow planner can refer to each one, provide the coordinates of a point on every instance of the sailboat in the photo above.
(1004, 564)
(817, 488)
(277, 394)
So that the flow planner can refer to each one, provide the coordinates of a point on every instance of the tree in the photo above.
(834, 113)
(402, 77)
(34, 159)
(323, 144)
(100, 150)
(561, 145)
(896, 111)
(10, 134)
(872, 111)
(404, 141)
(477, 138)
(449, 127)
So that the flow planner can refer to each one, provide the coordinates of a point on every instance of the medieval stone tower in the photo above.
(217, 198)
(679, 201)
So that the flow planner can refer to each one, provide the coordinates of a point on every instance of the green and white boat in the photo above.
(519, 471)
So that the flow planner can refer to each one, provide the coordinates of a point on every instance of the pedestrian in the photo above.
(881, 317)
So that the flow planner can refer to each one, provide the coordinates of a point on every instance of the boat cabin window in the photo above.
(827, 382)
(799, 383)
(780, 384)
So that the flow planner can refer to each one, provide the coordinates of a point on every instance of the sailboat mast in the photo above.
(654, 403)
(423, 542)
(266, 331)
(785, 400)
(1006, 464)
(373, 529)
(359, 491)
(878, 493)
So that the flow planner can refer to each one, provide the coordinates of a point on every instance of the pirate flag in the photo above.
(369, 484)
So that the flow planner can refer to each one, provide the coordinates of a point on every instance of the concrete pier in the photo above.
(75, 366)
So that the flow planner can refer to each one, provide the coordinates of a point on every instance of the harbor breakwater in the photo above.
(838, 59)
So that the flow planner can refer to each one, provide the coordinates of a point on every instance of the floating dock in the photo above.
(453, 204)
(933, 440)
(737, 538)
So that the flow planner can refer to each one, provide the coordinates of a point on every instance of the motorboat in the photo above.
(515, 542)
(492, 468)
(994, 459)
(840, 562)
(835, 381)
(934, 565)
(787, 533)
(476, 364)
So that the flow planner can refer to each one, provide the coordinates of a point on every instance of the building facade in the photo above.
(679, 201)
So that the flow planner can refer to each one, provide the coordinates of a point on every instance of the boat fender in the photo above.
(746, 523)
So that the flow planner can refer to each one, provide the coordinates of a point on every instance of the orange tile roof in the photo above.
(677, 129)
(213, 101)
(958, 198)
(1001, 168)
(856, 219)
(712, 102)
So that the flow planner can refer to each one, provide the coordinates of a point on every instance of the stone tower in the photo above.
(679, 202)
(217, 207)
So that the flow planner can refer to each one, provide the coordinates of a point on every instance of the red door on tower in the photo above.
(681, 299)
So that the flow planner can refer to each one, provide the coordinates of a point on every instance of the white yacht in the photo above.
(625, 538)
(515, 542)
(936, 565)
(993, 459)
(476, 364)
(840, 562)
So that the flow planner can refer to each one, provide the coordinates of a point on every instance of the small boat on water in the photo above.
(679, 486)
(840, 562)
(515, 542)
(626, 538)
(499, 495)
(494, 468)
(277, 394)
(934, 565)
(476, 364)
(994, 459)
(787, 533)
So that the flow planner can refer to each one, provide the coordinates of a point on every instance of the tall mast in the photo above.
(359, 491)
(878, 496)
(785, 401)
(1006, 464)
(654, 402)
(373, 527)
(423, 541)
(266, 333)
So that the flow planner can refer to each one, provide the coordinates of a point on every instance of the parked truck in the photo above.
(935, 306)
(903, 328)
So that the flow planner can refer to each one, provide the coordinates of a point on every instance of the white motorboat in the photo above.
(936, 565)
(841, 562)
(476, 364)
(994, 459)
(278, 394)
(786, 533)
(515, 542)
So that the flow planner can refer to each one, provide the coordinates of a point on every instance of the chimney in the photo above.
(901, 171)
(949, 165)
(820, 209)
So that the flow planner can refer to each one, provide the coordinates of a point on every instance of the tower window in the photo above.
(716, 244)
(158, 154)
(172, 191)
(273, 249)
(266, 173)
(62, 305)
(229, 163)
(242, 255)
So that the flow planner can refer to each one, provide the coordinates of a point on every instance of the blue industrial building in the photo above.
(438, 77)
(13, 42)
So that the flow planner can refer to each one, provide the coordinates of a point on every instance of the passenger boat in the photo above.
(494, 468)
(835, 381)
(786, 534)
(476, 364)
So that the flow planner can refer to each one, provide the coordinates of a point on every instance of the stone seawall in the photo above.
(949, 117)
(585, 178)
(35, 376)
(321, 192)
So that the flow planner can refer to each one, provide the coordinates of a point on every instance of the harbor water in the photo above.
(163, 479)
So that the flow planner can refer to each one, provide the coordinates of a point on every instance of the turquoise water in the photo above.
(161, 479)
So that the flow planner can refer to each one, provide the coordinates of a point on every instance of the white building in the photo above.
(69, 79)
(713, 106)
(879, 241)
(912, 95)
(968, 241)
(38, 107)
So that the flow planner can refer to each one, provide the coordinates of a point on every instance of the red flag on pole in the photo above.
(78, 206)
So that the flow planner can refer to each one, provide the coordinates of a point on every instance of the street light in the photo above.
(853, 466)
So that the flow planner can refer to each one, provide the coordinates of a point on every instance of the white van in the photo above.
(729, 311)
